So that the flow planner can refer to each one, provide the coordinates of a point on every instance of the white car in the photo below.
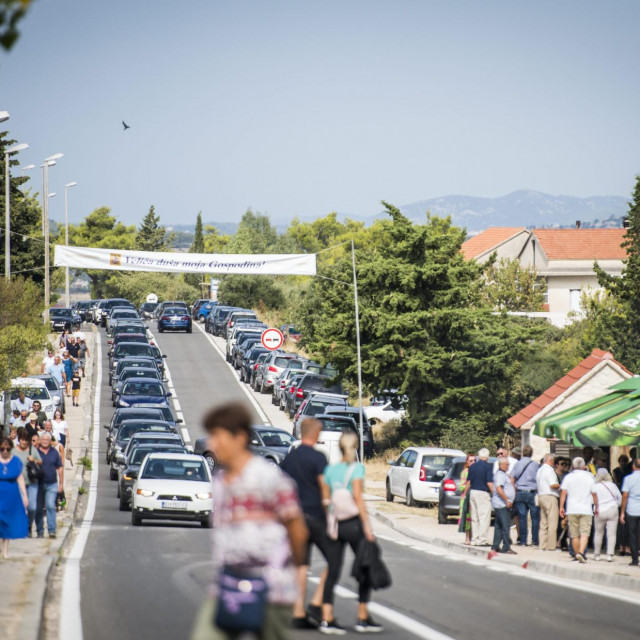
(384, 413)
(33, 388)
(172, 486)
(417, 473)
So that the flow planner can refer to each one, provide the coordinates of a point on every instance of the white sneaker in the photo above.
(609, 558)
(596, 558)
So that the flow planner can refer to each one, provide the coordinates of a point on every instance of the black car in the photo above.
(129, 465)
(62, 318)
(219, 327)
(147, 308)
(249, 361)
(125, 432)
(133, 372)
(127, 337)
(81, 307)
(312, 382)
(127, 327)
(107, 305)
(129, 413)
(270, 443)
(127, 349)
(144, 362)
(240, 349)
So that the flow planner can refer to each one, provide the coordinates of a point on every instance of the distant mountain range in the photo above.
(517, 209)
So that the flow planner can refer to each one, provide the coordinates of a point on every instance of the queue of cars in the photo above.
(157, 475)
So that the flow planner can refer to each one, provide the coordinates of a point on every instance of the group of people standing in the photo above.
(265, 523)
(579, 500)
(68, 365)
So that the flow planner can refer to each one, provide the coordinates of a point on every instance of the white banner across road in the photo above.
(295, 264)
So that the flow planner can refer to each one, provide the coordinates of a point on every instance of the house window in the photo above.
(575, 296)
(542, 283)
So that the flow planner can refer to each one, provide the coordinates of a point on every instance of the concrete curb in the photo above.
(31, 625)
(617, 581)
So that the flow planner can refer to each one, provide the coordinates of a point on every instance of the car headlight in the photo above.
(203, 496)
(123, 403)
(145, 493)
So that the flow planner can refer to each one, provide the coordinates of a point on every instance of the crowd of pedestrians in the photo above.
(265, 523)
(33, 453)
(555, 504)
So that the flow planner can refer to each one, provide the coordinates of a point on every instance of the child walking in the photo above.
(76, 381)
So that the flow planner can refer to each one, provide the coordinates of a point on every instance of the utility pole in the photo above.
(7, 207)
(51, 160)
(355, 300)
(66, 239)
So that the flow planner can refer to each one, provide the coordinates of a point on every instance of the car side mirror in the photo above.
(254, 441)
(120, 459)
(179, 420)
(164, 356)
(391, 462)
(168, 394)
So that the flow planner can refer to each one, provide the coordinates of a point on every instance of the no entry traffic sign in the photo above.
(272, 339)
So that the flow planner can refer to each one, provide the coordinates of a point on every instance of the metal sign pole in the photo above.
(355, 299)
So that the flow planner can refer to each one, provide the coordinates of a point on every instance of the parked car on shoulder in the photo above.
(273, 365)
(416, 475)
(311, 383)
(62, 318)
(316, 403)
(354, 412)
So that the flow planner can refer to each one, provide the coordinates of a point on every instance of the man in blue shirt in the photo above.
(480, 484)
(502, 501)
(525, 476)
(630, 509)
(50, 486)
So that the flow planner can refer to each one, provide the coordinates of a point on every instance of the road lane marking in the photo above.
(254, 402)
(70, 611)
(401, 620)
(185, 435)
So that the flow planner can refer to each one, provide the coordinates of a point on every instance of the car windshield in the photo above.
(128, 430)
(169, 469)
(129, 364)
(166, 414)
(337, 425)
(276, 438)
(131, 338)
(62, 313)
(127, 328)
(136, 349)
(50, 384)
(141, 414)
(140, 388)
(138, 372)
(35, 393)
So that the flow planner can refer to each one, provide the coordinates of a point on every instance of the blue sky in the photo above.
(302, 108)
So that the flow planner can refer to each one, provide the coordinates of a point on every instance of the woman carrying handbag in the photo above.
(347, 523)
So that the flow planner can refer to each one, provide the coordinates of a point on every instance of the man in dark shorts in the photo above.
(306, 465)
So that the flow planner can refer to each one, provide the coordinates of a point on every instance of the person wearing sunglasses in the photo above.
(13, 497)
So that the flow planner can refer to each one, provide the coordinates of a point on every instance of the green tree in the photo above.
(197, 246)
(424, 330)
(11, 13)
(27, 241)
(511, 287)
(151, 236)
(214, 241)
(623, 328)
(101, 229)
(251, 292)
(255, 234)
(137, 285)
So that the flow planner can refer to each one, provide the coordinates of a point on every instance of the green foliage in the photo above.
(85, 462)
(424, 330)
(255, 234)
(214, 241)
(511, 287)
(11, 13)
(197, 246)
(101, 229)
(136, 285)
(616, 320)
(21, 328)
(27, 241)
(151, 236)
(251, 292)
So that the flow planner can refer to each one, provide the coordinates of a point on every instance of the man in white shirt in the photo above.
(548, 495)
(503, 452)
(22, 403)
(47, 362)
(579, 503)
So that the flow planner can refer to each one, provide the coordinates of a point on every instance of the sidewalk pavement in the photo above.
(425, 527)
(24, 575)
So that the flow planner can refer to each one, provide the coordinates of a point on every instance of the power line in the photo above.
(24, 236)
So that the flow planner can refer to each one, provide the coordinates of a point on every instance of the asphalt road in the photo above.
(147, 582)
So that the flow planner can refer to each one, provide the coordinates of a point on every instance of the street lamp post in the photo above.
(66, 238)
(47, 284)
(7, 207)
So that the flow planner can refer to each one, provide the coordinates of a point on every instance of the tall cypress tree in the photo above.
(151, 236)
(197, 246)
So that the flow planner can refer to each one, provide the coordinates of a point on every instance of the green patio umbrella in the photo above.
(610, 420)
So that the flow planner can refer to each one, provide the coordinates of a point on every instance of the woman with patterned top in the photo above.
(259, 532)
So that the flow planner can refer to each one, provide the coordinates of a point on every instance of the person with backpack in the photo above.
(347, 523)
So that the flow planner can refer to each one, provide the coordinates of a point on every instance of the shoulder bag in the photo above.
(34, 470)
(343, 505)
(242, 602)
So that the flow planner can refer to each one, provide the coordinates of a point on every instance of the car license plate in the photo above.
(174, 504)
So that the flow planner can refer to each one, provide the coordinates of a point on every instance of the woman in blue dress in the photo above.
(67, 361)
(13, 497)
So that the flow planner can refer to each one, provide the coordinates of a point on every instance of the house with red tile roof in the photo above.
(590, 379)
(563, 257)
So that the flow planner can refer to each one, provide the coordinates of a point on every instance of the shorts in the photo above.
(75, 393)
(580, 525)
(317, 536)
(81, 362)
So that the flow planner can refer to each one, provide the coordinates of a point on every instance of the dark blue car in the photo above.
(142, 391)
(203, 311)
(174, 319)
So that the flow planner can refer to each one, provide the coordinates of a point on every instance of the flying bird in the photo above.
(125, 125)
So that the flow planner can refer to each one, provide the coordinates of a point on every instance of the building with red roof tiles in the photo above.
(564, 258)
(590, 379)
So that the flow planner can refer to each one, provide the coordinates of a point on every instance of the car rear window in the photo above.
(456, 470)
(337, 425)
(433, 464)
(314, 407)
(281, 361)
